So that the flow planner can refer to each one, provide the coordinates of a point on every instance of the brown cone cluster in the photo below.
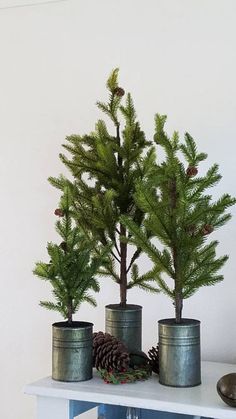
(109, 353)
(118, 91)
(59, 212)
(63, 246)
(153, 354)
(207, 229)
(191, 171)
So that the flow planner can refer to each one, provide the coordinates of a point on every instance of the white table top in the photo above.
(202, 400)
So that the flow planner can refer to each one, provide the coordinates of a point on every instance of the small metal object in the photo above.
(125, 324)
(226, 388)
(179, 353)
(72, 351)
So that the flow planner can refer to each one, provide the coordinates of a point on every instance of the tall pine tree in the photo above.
(106, 167)
(181, 214)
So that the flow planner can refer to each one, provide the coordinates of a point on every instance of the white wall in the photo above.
(176, 57)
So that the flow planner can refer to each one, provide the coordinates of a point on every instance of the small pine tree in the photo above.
(181, 215)
(72, 268)
(105, 167)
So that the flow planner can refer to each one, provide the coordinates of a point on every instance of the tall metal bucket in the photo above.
(72, 351)
(179, 353)
(125, 324)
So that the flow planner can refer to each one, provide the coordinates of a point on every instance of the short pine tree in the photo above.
(105, 168)
(180, 214)
(72, 269)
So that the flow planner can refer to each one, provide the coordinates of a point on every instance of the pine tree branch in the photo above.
(133, 258)
(115, 257)
(151, 206)
(118, 231)
(116, 247)
(141, 240)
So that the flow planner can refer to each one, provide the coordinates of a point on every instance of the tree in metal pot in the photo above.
(72, 267)
(181, 214)
(105, 167)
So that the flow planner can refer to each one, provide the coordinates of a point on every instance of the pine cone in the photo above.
(153, 354)
(59, 212)
(207, 229)
(109, 353)
(138, 359)
(191, 171)
(118, 91)
(63, 246)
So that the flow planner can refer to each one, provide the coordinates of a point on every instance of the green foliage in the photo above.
(105, 168)
(129, 376)
(180, 214)
(72, 267)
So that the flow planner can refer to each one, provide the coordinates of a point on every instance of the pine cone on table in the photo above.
(109, 353)
(153, 354)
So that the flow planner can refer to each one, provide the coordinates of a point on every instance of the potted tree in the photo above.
(71, 272)
(180, 213)
(105, 167)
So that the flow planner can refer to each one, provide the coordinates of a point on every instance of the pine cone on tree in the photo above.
(207, 229)
(63, 246)
(59, 212)
(153, 354)
(109, 353)
(191, 171)
(118, 91)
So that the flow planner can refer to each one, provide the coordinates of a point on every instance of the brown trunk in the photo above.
(123, 246)
(123, 268)
(69, 313)
(178, 289)
(178, 306)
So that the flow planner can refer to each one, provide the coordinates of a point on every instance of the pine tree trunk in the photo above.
(178, 288)
(123, 246)
(123, 268)
(69, 313)
(178, 306)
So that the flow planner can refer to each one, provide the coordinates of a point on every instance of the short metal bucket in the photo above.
(125, 324)
(72, 351)
(179, 353)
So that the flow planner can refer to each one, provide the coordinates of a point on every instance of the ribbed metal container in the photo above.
(72, 351)
(125, 324)
(179, 353)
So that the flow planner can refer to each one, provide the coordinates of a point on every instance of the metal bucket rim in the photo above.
(186, 322)
(129, 307)
(74, 325)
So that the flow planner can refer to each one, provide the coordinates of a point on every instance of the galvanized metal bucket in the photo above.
(125, 324)
(179, 353)
(72, 351)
